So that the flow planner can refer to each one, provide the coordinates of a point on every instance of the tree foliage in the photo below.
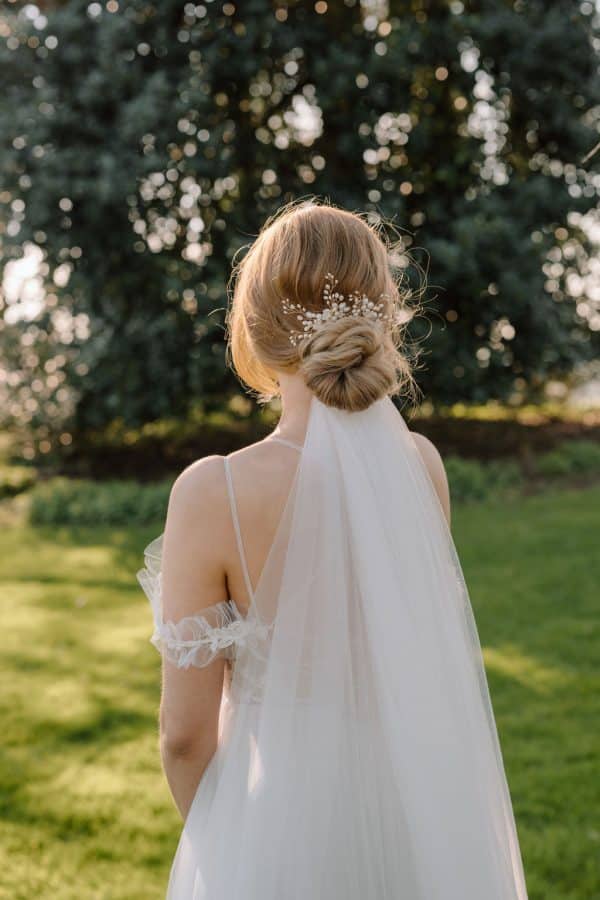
(144, 143)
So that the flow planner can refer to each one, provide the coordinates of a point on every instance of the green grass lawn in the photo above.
(85, 812)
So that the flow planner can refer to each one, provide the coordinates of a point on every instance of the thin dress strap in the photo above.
(281, 440)
(236, 527)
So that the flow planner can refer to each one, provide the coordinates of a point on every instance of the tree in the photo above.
(144, 143)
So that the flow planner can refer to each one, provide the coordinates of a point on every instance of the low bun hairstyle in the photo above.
(349, 362)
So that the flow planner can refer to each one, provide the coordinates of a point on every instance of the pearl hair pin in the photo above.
(336, 306)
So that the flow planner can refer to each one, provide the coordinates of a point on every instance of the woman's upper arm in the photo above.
(193, 579)
(437, 472)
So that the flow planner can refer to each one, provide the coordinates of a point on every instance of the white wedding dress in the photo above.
(358, 757)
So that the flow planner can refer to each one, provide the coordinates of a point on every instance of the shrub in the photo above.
(571, 458)
(64, 501)
(466, 478)
(471, 480)
(67, 501)
(16, 479)
(503, 476)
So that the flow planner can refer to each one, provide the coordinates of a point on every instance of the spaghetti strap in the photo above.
(281, 440)
(236, 528)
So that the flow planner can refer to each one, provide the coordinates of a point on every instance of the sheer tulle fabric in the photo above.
(358, 757)
(195, 640)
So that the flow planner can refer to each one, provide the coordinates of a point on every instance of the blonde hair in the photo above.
(348, 363)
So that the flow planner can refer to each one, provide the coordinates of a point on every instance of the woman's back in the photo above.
(248, 505)
(261, 479)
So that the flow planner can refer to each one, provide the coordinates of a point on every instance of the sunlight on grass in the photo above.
(85, 808)
(510, 662)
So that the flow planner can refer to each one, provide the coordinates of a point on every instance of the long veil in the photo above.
(358, 754)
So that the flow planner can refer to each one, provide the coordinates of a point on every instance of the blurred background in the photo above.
(142, 146)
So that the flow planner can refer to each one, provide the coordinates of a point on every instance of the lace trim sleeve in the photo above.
(194, 640)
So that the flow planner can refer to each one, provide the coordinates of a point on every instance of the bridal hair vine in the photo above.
(336, 306)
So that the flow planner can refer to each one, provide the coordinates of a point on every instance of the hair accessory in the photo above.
(337, 306)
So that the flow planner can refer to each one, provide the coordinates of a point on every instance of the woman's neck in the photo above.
(295, 406)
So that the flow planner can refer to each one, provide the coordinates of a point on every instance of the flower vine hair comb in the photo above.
(336, 306)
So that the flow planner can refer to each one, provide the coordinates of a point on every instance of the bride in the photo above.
(325, 722)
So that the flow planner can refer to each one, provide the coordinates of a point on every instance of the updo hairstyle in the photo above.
(348, 363)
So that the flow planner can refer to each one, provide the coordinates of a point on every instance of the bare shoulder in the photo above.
(200, 535)
(435, 467)
(429, 452)
(198, 511)
(199, 487)
(200, 491)
(199, 495)
(195, 537)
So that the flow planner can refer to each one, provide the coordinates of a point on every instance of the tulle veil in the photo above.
(358, 757)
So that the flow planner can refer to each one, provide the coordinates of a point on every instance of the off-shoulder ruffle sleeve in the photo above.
(198, 639)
